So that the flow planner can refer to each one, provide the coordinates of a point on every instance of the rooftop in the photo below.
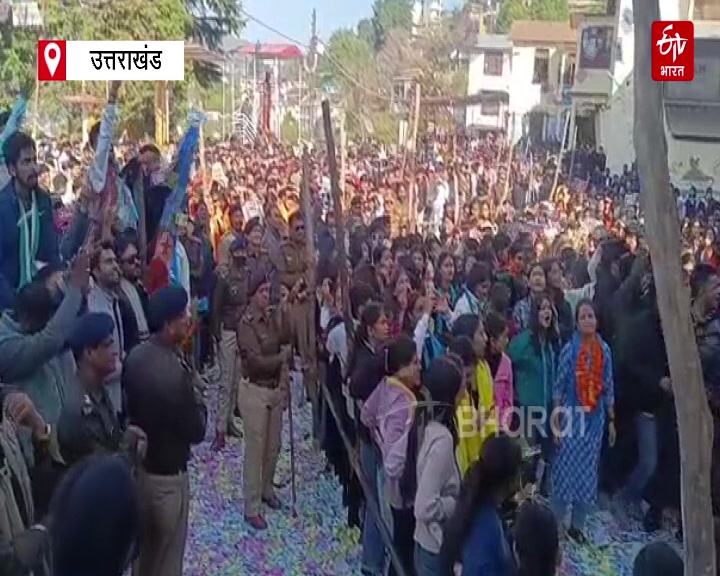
(540, 33)
(270, 51)
(492, 42)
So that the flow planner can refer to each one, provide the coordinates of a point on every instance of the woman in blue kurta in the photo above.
(583, 398)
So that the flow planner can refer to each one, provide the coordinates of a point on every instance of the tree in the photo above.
(213, 20)
(206, 21)
(695, 427)
(389, 15)
(511, 10)
(366, 31)
(349, 64)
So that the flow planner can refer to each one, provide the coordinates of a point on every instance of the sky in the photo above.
(292, 17)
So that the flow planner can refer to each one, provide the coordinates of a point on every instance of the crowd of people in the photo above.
(501, 347)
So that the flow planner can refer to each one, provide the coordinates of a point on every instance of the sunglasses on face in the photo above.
(132, 259)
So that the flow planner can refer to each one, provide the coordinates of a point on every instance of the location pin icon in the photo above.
(52, 57)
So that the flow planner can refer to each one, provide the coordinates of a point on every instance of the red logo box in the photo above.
(673, 51)
(51, 60)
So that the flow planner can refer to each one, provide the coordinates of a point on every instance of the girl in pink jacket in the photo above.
(501, 368)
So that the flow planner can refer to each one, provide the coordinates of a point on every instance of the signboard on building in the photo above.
(596, 47)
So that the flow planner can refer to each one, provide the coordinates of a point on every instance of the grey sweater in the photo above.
(438, 486)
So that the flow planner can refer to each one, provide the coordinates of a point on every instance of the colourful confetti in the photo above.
(318, 541)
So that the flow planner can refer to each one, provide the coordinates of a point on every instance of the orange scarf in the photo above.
(589, 370)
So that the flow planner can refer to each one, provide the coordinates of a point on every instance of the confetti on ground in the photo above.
(615, 543)
(318, 542)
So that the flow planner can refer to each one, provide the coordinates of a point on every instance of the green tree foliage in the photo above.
(511, 10)
(389, 15)
(349, 65)
(206, 21)
(212, 20)
(361, 65)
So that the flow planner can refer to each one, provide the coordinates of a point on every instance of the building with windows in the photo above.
(603, 97)
(489, 83)
(520, 83)
(543, 70)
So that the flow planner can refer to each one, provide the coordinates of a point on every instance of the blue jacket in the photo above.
(10, 240)
(487, 550)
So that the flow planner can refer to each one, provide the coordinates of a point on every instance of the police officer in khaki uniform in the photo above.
(258, 258)
(262, 397)
(229, 303)
(297, 276)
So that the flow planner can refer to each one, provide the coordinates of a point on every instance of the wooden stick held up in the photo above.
(340, 242)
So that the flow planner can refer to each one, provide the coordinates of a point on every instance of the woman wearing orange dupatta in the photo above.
(583, 399)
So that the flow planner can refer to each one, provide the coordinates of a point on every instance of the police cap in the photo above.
(166, 305)
(90, 331)
(258, 280)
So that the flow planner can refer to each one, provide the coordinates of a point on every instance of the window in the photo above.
(490, 108)
(493, 64)
(569, 75)
(541, 66)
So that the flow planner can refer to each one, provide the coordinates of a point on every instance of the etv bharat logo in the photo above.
(673, 51)
(668, 43)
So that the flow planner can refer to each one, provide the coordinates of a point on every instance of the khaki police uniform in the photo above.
(262, 397)
(297, 265)
(230, 301)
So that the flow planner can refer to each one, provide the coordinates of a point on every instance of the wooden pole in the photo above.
(663, 234)
(572, 155)
(343, 159)
(506, 184)
(308, 213)
(339, 216)
(560, 155)
(412, 192)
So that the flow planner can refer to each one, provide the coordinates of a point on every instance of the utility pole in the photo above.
(343, 159)
(309, 65)
(412, 148)
(232, 94)
(695, 426)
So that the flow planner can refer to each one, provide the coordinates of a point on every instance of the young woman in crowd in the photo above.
(397, 303)
(500, 368)
(438, 476)
(534, 355)
(389, 414)
(475, 415)
(536, 285)
(476, 535)
(556, 291)
(445, 280)
(583, 404)
(475, 294)
(366, 370)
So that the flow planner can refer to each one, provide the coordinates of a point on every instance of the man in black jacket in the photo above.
(164, 399)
